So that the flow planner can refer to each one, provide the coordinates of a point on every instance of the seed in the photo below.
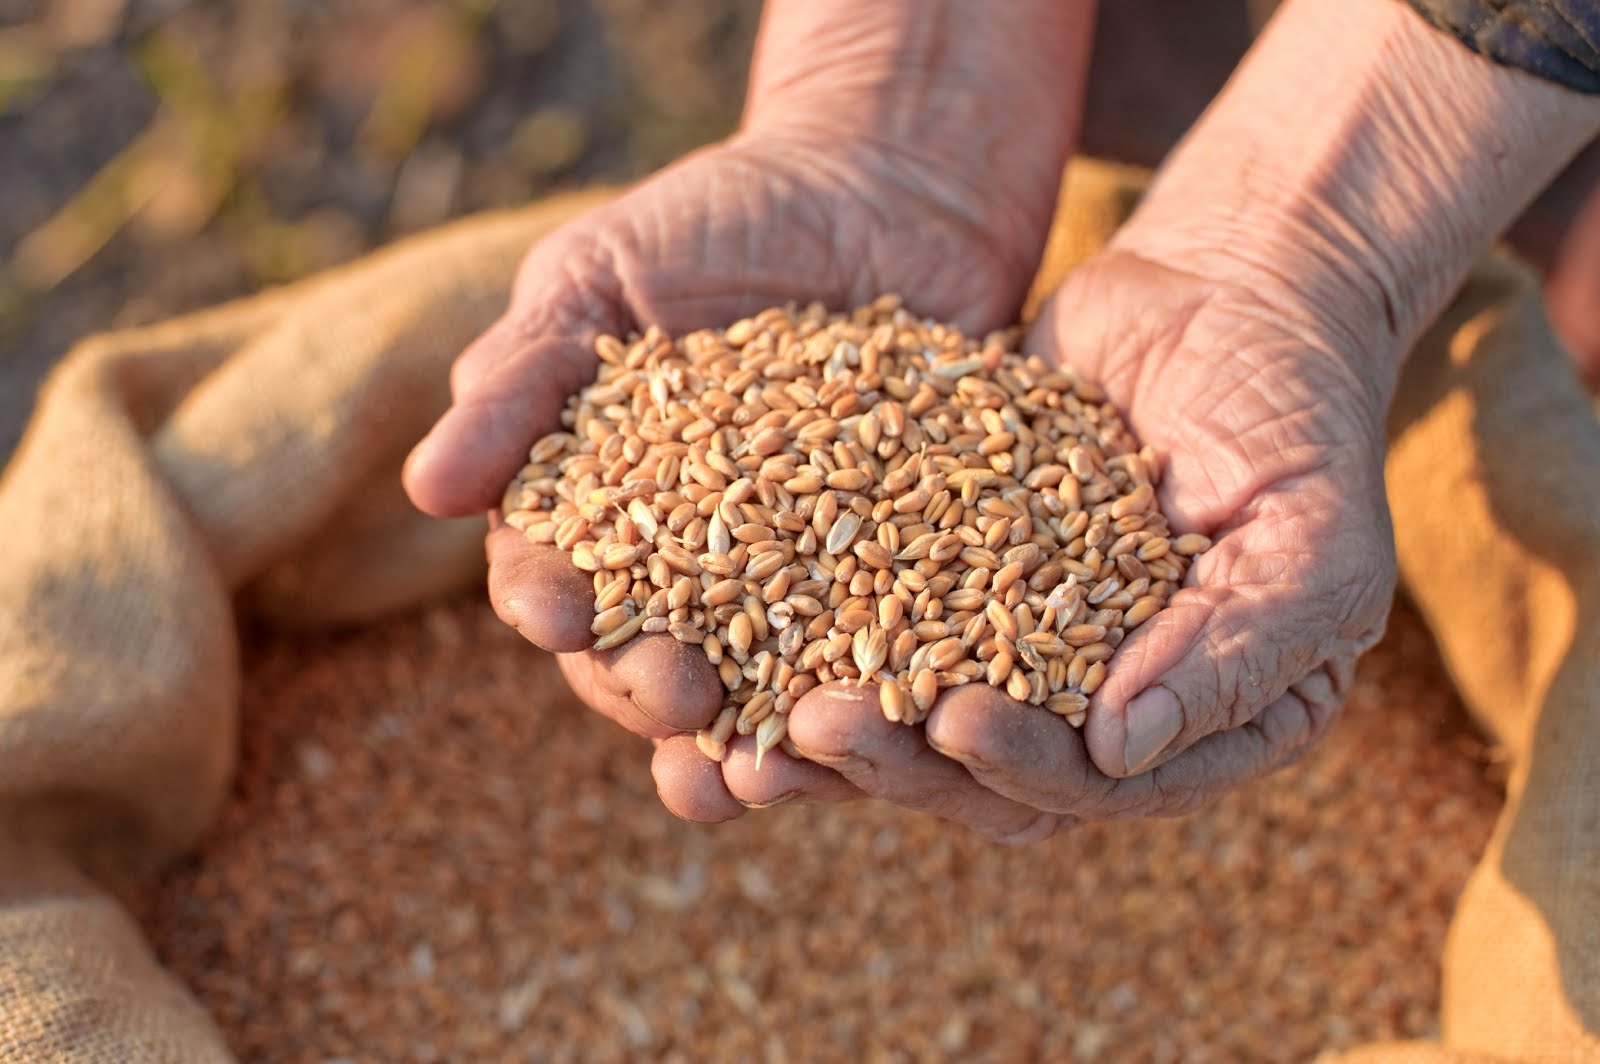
(741, 634)
(853, 621)
(622, 633)
(1096, 652)
(1151, 549)
(918, 548)
(964, 600)
(769, 733)
(1136, 501)
(721, 592)
(1103, 590)
(764, 565)
(1067, 703)
(1002, 620)
(1081, 635)
(761, 705)
(946, 652)
(849, 479)
(685, 633)
(1046, 643)
(1141, 611)
(804, 605)
(870, 649)
(843, 532)
(718, 538)
(900, 651)
(892, 700)
(945, 548)
(912, 502)
(1093, 678)
(874, 554)
(1190, 543)
(999, 670)
(609, 620)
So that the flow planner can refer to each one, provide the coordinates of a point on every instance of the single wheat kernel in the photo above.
(892, 700)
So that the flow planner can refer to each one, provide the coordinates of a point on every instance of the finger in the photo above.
(497, 344)
(690, 784)
(591, 683)
(1026, 754)
(669, 681)
(536, 589)
(1018, 752)
(1219, 763)
(510, 386)
(465, 462)
(1269, 602)
(842, 726)
(663, 685)
(780, 778)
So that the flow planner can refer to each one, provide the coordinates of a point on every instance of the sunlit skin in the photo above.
(1250, 320)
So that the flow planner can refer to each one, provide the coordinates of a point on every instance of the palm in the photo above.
(745, 226)
(1273, 447)
(727, 232)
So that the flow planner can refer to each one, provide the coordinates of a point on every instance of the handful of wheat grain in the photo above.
(866, 496)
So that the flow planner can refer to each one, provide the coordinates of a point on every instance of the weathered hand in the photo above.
(756, 222)
(1273, 446)
(1274, 442)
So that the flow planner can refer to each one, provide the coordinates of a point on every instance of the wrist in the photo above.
(983, 100)
(1355, 168)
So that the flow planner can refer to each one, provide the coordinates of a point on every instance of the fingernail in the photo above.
(779, 800)
(1153, 720)
(846, 763)
(971, 761)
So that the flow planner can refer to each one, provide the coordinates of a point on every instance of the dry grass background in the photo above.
(158, 155)
(429, 857)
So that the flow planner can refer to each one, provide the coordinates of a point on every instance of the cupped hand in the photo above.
(1273, 441)
(760, 221)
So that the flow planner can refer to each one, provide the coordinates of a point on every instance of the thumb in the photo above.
(1266, 609)
(510, 385)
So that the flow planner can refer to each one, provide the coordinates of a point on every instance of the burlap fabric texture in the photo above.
(245, 461)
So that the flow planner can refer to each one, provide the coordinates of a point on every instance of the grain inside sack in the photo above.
(867, 496)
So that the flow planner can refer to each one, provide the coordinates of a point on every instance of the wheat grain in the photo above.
(866, 496)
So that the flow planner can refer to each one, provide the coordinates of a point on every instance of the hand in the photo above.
(762, 220)
(1273, 438)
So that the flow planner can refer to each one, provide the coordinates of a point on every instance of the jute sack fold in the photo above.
(245, 461)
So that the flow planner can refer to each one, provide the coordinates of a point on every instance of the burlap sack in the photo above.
(245, 460)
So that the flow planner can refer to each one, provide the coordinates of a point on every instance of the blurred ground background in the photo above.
(424, 862)
(160, 155)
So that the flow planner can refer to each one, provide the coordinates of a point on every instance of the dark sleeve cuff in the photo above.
(1557, 40)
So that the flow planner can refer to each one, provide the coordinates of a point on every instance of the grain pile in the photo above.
(865, 496)
(434, 853)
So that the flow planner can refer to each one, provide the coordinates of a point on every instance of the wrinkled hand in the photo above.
(1273, 440)
(757, 222)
